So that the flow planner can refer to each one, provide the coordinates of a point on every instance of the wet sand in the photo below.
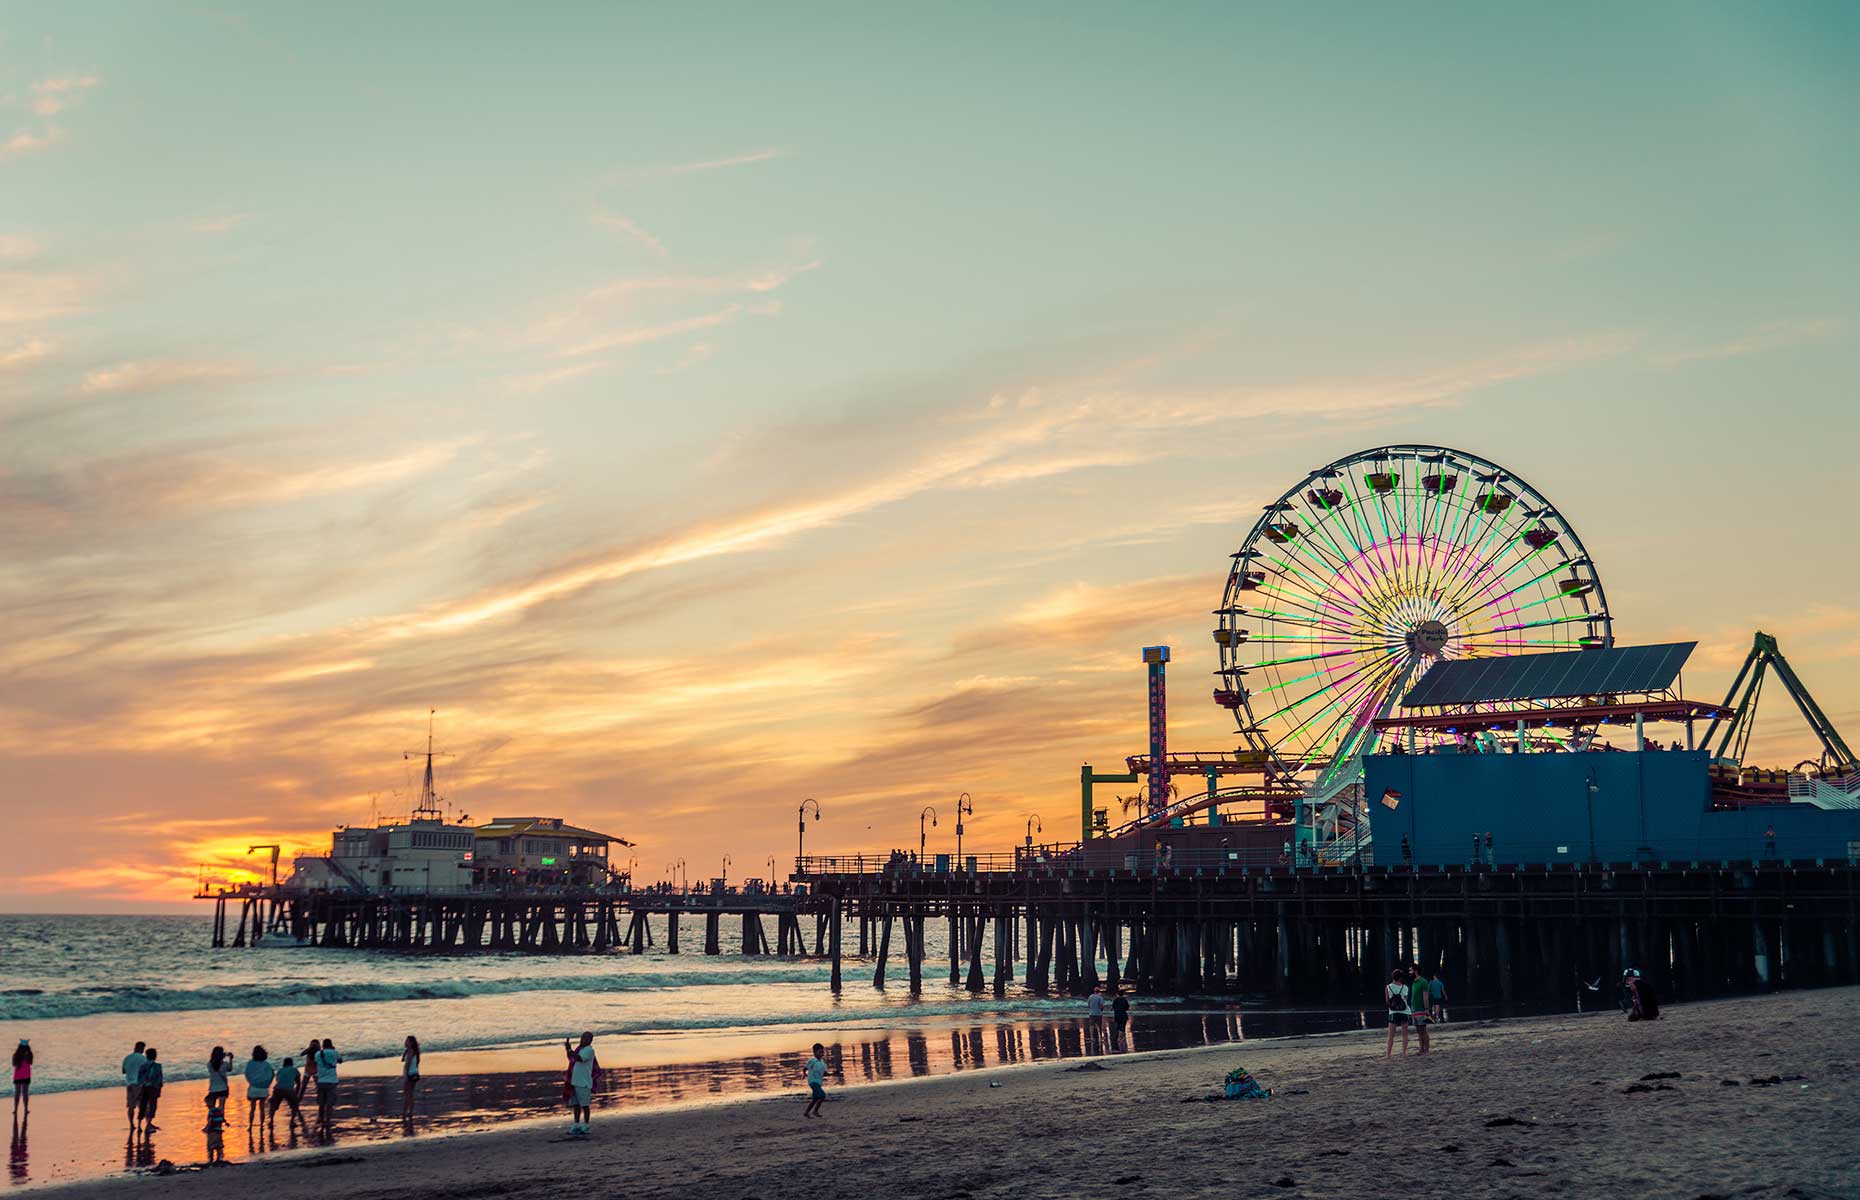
(1548, 1106)
(83, 1134)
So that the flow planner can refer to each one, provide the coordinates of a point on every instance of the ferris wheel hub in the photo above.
(1429, 638)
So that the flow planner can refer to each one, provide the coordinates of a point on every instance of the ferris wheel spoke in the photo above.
(1531, 559)
(1467, 608)
(1374, 693)
(1534, 624)
(1292, 563)
(1329, 619)
(1468, 565)
(1310, 696)
(1387, 670)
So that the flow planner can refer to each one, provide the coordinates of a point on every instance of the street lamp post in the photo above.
(772, 887)
(800, 845)
(963, 805)
(921, 835)
(725, 881)
(1033, 823)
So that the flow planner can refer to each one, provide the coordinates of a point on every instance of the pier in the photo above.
(1525, 934)
(1510, 933)
(545, 920)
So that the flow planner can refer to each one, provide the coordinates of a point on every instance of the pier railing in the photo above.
(1104, 859)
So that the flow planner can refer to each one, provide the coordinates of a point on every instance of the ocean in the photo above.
(86, 988)
(669, 1029)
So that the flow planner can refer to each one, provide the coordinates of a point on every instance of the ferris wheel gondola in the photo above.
(1369, 571)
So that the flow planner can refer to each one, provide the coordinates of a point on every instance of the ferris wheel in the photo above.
(1372, 569)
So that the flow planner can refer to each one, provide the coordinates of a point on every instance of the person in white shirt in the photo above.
(325, 1068)
(1094, 1008)
(133, 1063)
(258, 1076)
(816, 1077)
(581, 1065)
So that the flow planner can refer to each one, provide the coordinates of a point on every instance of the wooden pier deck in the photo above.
(561, 920)
(1506, 933)
(1509, 934)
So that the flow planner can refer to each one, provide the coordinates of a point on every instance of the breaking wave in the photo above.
(28, 1004)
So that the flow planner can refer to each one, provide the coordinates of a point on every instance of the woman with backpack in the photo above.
(1395, 995)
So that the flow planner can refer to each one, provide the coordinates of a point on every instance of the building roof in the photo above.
(1562, 675)
(542, 826)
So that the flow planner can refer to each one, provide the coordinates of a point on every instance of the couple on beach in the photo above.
(1414, 1002)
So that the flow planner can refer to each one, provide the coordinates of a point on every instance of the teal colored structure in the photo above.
(1609, 807)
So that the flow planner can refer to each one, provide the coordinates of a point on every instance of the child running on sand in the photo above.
(22, 1077)
(816, 1079)
(285, 1090)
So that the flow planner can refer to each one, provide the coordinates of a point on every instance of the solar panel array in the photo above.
(1550, 676)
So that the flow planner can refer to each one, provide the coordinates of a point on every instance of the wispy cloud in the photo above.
(606, 218)
(221, 223)
(640, 335)
(27, 141)
(28, 296)
(53, 96)
(152, 375)
(31, 350)
(698, 166)
(694, 354)
(1776, 335)
(987, 446)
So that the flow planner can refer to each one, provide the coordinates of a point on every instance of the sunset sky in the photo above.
(704, 408)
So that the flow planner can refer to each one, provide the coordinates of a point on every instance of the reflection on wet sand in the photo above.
(90, 1140)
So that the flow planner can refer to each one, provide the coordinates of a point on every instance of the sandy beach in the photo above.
(1751, 1097)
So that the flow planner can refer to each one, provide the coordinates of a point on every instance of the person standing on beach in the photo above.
(309, 1069)
(1120, 1017)
(581, 1082)
(1417, 1005)
(218, 1087)
(816, 1082)
(1094, 1008)
(326, 1060)
(22, 1077)
(409, 1075)
(151, 1091)
(133, 1062)
(258, 1076)
(287, 1088)
(1436, 997)
(1395, 994)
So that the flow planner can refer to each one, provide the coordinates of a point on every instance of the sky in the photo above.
(703, 407)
